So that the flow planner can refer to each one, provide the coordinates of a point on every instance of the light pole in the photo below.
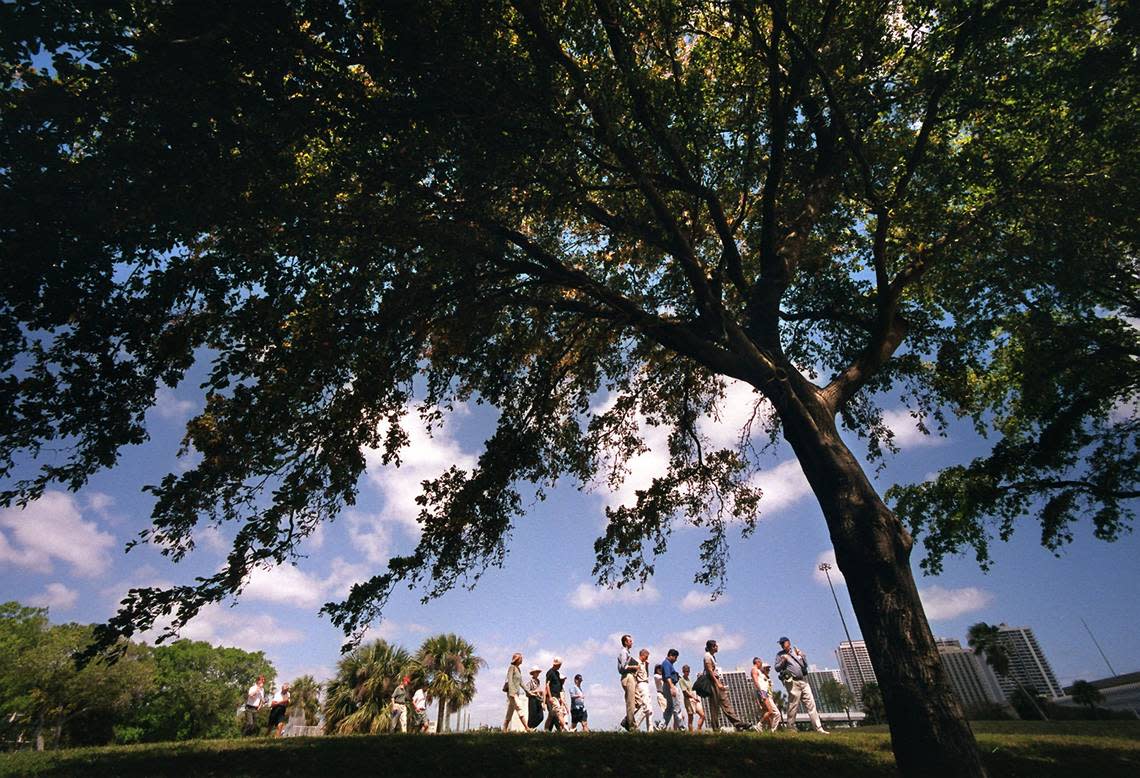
(825, 568)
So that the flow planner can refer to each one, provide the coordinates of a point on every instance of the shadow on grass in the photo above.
(1017, 749)
(597, 754)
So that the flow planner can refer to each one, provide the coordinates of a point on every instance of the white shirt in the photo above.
(255, 696)
(419, 700)
(280, 697)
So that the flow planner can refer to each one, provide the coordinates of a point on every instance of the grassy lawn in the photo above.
(1014, 749)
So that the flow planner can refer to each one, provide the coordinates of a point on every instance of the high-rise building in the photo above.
(973, 681)
(742, 695)
(816, 679)
(855, 668)
(1027, 663)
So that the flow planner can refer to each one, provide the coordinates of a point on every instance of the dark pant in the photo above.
(250, 725)
(670, 711)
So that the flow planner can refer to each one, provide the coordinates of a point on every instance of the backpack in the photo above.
(703, 685)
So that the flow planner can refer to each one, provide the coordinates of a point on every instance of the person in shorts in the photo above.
(277, 708)
(693, 706)
(578, 705)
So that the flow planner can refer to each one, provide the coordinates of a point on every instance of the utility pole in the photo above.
(825, 568)
(1098, 648)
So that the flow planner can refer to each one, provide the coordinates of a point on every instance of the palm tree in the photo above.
(358, 698)
(305, 694)
(984, 639)
(447, 666)
(1084, 693)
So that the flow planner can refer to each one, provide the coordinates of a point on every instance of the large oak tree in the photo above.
(336, 203)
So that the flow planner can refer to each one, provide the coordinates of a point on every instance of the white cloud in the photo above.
(691, 642)
(695, 600)
(589, 597)
(906, 431)
(425, 457)
(783, 486)
(55, 597)
(211, 537)
(168, 406)
(734, 411)
(370, 534)
(940, 603)
(222, 626)
(52, 528)
(287, 584)
(836, 574)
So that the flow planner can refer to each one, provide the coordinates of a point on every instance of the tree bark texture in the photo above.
(929, 732)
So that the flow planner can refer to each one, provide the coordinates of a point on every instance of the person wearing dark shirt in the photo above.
(554, 683)
(669, 679)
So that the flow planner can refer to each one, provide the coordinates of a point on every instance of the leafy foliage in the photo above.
(358, 699)
(447, 665)
(305, 694)
(530, 205)
(197, 687)
(47, 698)
(873, 704)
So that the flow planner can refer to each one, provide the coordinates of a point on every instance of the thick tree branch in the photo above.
(666, 141)
(707, 303)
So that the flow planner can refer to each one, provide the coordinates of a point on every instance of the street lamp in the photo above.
(825, 568)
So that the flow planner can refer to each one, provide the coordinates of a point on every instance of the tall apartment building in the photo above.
(855, 668)
(1027, 663)
(973, 681)
(741, 694)
(816, 679)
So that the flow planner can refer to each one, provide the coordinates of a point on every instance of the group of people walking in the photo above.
(680, 697)
(398, 720)
(255, 699)
(530, 701)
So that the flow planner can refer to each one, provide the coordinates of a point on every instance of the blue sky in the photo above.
(66, 552)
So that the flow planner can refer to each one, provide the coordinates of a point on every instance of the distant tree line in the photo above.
(190, 689)
(181, 690)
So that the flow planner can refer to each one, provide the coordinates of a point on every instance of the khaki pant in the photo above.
(515, 720)
(629, 686)
(797, 691)
(719, 704)
(399, 718)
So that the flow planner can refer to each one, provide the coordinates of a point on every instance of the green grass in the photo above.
(1033, 750)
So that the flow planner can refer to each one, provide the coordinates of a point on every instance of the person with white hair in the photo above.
(555, 680)
(770, 719)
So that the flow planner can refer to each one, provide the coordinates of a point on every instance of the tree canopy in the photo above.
(339, 207)
(531, 208)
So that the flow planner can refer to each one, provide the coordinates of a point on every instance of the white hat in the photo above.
(557, 660)
(536, 669)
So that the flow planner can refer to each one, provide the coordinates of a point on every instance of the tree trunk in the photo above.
(929, 733)
(441, 717)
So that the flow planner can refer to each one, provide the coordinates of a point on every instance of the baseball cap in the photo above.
(782, 640)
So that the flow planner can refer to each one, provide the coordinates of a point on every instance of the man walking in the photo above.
(642, 711)
(627, 669)
(770, 719)
(693, 706)
(254, 699)
(399, 716)
(718, 700)
(553, 694)
(792, 667)
(669, 679)
(578, 705)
